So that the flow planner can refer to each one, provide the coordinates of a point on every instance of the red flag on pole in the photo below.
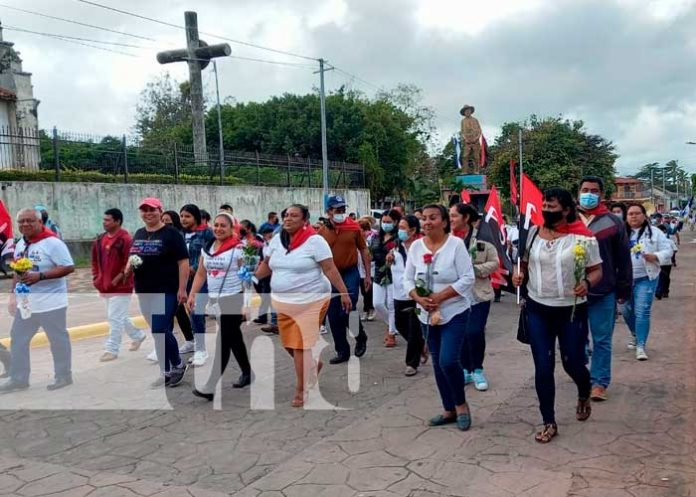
(465, 197)
(492, 230)
(530, 211)
(6, 232)
(513, 183)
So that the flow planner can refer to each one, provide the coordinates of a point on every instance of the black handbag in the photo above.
(523, 325)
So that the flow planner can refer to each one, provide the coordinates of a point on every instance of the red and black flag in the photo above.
(530, 210)
(492, 230)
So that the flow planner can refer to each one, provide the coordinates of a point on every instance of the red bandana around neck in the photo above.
(201, 227)
(596, 211)
(228, 244)
(348, 225)
(575, 228)
(301, 236)
(45, 233)
(460, 233)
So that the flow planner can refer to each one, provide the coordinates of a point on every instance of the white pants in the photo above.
(119, 321)
(383, 300)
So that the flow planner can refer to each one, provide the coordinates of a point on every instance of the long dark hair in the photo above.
(469, 211)
(284, 235)
(643, 227)
(194, 211)
(396, 218)
(176, 220)
(443, 214)
(413, 223)
(565, 199)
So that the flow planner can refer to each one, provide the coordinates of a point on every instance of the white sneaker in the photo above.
(199, 358)
(640, 354)
(187, 348)
(631, 345)
(152, 356)
(323, 330)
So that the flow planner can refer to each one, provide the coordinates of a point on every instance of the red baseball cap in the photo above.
(151, 202)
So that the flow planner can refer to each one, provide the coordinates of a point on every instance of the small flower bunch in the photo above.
(580, 252)
(134, 261)
(636, 249)
(424, 288)
(21, 265)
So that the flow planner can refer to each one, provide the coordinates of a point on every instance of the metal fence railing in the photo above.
(67, 156)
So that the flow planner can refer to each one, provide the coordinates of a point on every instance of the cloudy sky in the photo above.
(625, 67)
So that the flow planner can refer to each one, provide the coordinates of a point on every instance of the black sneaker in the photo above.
(243, 381)
(261, 320)
(161, 381)
(338, 359)
(360, 347)
(203, 395)
(176, 375)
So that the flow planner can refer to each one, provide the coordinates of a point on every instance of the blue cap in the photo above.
(336, 201)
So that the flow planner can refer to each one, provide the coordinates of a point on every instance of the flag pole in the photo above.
(519, 214)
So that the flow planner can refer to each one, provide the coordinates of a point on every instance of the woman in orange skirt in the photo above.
(302, 271)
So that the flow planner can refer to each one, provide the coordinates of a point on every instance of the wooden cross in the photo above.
(197, 54)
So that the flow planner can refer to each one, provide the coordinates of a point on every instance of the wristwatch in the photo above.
(42, 276)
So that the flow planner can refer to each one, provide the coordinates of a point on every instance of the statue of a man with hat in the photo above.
(471, 139)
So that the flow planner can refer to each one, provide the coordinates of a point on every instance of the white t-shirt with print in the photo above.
(552, 268)
(47, 254)
(215, 269)
(297, 277)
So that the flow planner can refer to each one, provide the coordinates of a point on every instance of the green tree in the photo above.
(163, 113)
(556, 153)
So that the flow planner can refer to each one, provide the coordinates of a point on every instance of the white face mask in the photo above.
(339, 218)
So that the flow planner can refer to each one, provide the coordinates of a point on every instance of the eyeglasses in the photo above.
(27, 221)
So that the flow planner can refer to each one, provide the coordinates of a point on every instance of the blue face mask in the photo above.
(403, 235)
(589, 200)
(388, 227)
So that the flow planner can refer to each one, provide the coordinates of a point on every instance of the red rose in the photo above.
(428, 258)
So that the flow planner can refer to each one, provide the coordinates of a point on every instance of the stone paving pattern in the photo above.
(641, 443)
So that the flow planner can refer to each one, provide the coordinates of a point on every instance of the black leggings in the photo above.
(184, 321)
(408, 325)
(229, 338)
(664, 281)
(367, 296)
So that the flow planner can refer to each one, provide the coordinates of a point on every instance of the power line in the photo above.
(353, 76)
(95, 47)
(40, 14)
(278, 62)
(52, 35)
(164, 23)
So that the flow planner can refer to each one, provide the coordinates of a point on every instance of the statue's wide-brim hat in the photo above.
(467, 107)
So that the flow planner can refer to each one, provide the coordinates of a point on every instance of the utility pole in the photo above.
(652, 187)
(324, 148)
(219, 113)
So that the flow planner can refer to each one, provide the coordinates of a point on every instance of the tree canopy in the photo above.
(389, 134)
(557, 152)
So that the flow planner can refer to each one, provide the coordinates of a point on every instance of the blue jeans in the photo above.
(445, 343)
(545, 324)
(159, 310)
(198, 316)
(638, 308)
(601, 312)
(474, 348)
(338, 318)
(23, 330)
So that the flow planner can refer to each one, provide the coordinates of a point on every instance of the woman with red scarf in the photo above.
(556, 254)
(302, 271)
(218, 268)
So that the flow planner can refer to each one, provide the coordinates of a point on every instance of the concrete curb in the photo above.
(78, 332)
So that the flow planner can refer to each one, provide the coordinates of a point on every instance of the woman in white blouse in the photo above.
(302, 271)
(556, 304)
(218, 267)
(650, 248)
(439, 277)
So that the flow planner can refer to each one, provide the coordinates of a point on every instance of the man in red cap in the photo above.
(159, 261)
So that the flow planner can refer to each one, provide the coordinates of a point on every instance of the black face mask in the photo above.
(551, 217)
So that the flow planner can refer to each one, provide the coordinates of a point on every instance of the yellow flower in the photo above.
(21, 265)
(579, 251)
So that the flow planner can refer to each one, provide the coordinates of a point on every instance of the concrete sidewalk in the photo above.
(90, 440)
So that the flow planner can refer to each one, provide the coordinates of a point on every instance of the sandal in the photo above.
(425, 355)
(584, 409)
(544, 436)
(300, 400)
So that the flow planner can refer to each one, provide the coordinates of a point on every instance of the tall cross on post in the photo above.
(198, 55)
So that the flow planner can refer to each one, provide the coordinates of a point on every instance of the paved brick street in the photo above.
(110, 435)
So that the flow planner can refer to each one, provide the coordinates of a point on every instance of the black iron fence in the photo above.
(65, 156)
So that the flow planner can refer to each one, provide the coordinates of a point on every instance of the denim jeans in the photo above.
(601, 313)
(383, 301)
(638, 308)
(23, 330)
(159, 310)
(119, 321)
(545, 324)
(339, 319)
(445, 344)
(474, 348)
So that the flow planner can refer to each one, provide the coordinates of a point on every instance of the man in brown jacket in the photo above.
(345, 238)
